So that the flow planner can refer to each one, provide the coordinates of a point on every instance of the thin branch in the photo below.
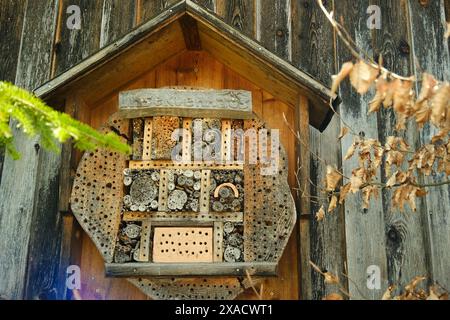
(341, 33)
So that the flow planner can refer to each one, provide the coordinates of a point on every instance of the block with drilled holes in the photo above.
(182, 245)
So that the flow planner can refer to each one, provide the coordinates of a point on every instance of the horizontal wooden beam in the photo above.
(238, 269)
(226, 104)
(183, 217)
(167, 164)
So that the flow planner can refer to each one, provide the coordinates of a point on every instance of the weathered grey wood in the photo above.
(11, 23)
(328, 236)
(274, 29)
(229, 104)
(427, 22)
(319, 94)
(240, 14)
(407, 247)
(118, 19)
(108, 52)
(27, 223)
(191, 269)
(43, 278)
(365, 234)
(77, 44)
(280, 71)
(151, 8)
(208, 4)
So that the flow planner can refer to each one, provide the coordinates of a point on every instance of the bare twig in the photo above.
(344, 36)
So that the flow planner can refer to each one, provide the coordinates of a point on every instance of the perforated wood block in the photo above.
(178, 245)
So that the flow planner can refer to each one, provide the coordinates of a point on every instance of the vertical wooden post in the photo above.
(302, 197)
(70, 247)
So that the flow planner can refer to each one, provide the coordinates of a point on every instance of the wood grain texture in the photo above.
(77, 44)
(365, 232)
(208, 4)
(239, 14)
(11, 23)
(29, 186)
(427, 22)
(115, 65)
(190, 33)
(407, 244)
(186, 103)
(274, 28)
(303, 196)
(187, 269)
(118, 18)
(313, 49)
(312, 39)
(151, 8)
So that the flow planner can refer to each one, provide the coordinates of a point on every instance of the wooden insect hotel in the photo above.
(205, 198)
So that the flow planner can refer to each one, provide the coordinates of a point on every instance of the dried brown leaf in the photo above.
(333, 177)
(367, 193)
(333, 204)
(388, 293)
(402, 97)
(447, 33)
(320, 215)
(392, 180)
(343, 192)
(356, 180)
(362, 76)
(330, 278)
(333, 296)
(410, 287)
(344, 131)
(343, 73)
(428, 84)
(440, 104)
(351, 151)
(380, 95)
(423, 115)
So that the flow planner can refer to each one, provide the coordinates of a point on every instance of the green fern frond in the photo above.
(34, 118)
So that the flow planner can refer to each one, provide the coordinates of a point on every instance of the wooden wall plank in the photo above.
(365, 234)
(286, 285)
(151, 8)
(77, 44)
(312, 40)
(407, 247)
(28, 184)
(11, 23)
(208, 4)
(118, 18)
(313, 50)
(303, 193)
(71, 47)
(238, 13)
(274, 26)
(428, 22)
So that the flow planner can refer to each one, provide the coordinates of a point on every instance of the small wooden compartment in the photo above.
(172, 245)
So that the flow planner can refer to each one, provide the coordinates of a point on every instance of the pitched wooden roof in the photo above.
(188, 26)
